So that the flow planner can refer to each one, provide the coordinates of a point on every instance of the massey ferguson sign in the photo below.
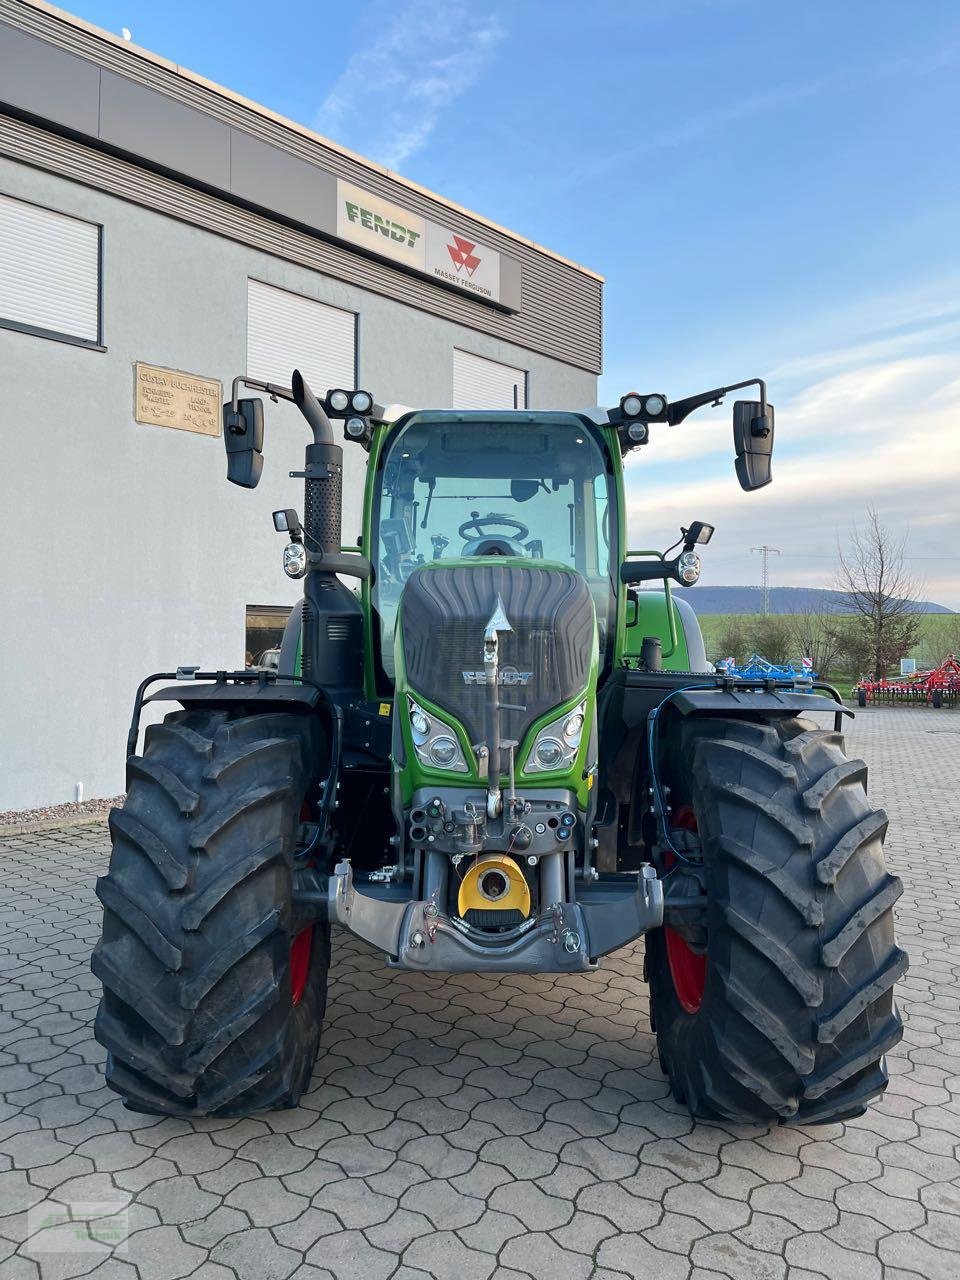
(463, 263)
(443, 253)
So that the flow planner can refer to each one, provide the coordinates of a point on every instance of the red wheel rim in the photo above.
(688, 969)
(302, 944)
(300, 963)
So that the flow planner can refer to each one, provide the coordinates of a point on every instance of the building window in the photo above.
(479, 383)
(49, 273)
(286, 331)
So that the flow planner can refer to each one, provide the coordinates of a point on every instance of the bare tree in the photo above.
(951, 633)
(819, 635)
(880, 594)
(731, 640)
(771, 636)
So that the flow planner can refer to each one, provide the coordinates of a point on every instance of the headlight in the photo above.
(573, 729)
(339, 400)
(419, 723)
(355, 427)
(549, 753)
(294, 560)
(434, 742)
(655, 405)
(443, 750)
(631, 405)
(637, 432)
(557, 743)
(362, 401)
(689, 567)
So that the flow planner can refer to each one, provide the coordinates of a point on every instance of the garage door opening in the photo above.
(264, 633)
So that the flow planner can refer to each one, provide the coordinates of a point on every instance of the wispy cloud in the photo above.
(391, 95)
(884, 435)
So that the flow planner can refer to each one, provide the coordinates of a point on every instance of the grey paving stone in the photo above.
(352, 1201)
(349, 1256)
(445, 1206)
(632, 1255)
(497, 1128)
(445, 1257)
(267, 1202)
(177, 1200)
(206, 1232)
(255, 1255)
(160, 1253)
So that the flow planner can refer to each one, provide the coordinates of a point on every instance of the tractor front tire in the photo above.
(785, 1013)
(213, 995)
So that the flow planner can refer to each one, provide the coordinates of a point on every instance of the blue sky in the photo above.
(770, 189)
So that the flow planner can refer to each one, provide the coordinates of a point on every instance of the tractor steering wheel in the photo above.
(475, 527)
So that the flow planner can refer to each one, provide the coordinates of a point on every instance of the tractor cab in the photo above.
(532, 488)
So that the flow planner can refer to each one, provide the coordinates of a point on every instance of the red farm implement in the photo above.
(937, 688)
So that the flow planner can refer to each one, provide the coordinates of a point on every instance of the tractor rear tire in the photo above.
(786, 1015)
(213, 996)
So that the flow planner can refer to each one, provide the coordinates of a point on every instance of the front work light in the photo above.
(698, 533)
(688, 567)
(361, 402)
(631, 405)
(339, 401)
(355, 427)
(287, 521)
(294, 560)
(637, 432)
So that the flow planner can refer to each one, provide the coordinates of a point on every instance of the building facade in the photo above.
(158, 237)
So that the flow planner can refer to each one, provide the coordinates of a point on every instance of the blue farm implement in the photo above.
(758, 668)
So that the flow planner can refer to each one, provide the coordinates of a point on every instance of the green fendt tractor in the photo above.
(497, 755)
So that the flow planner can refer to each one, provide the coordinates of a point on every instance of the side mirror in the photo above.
(753, 442)
(243, 441)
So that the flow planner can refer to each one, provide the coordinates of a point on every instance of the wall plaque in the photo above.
(168, 398)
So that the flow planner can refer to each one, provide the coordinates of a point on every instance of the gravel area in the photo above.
(482, 1128)
(53, 813)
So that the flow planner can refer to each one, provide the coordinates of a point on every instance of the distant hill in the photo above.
(782, 600)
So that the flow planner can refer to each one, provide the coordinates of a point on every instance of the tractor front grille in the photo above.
(544, 660)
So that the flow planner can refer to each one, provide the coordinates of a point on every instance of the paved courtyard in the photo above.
(473, 1128)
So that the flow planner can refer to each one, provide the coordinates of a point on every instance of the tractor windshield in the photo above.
(540, 488)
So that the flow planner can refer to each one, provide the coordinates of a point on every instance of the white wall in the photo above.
(123, 550)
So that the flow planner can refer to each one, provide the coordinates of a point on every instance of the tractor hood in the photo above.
(546, 638)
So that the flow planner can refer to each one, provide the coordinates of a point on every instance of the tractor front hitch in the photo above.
(564, 937)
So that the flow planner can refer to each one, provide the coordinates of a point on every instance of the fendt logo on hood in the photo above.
(506, 675)
(464, 259)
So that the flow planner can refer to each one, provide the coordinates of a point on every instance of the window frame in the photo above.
(56, 335)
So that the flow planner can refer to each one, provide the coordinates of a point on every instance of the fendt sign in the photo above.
(391, 232)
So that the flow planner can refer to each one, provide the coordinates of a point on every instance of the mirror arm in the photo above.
(634, 571)
(680, 409)
(271, 388)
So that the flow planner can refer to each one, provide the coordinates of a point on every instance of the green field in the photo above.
(941, 636)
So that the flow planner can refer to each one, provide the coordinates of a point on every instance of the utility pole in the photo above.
(766, 552)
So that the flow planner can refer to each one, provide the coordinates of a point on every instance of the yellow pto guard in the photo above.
(494, 883)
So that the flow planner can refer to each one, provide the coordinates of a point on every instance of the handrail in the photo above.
(668, 594)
